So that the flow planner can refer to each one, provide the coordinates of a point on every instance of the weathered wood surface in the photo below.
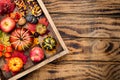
(86, 18)
(76, 71)
(91, 31)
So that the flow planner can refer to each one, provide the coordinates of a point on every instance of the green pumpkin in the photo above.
(49, 43)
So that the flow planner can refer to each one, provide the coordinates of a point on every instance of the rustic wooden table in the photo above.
(91, 31)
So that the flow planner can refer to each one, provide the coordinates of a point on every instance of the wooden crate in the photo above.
(62, 52)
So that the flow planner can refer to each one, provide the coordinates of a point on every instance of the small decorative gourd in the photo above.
(41, 29)
(49, 43)
(31, 19)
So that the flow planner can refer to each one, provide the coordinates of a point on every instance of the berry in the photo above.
(7, 54)
(36, 34)
(9, 49)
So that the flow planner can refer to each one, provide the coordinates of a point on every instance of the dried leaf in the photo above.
(0, 33)
(4, 39)
(6, 68)
(20, 55)
(44, 21)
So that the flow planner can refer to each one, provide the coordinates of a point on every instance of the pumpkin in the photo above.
(15, 64)
(49, 43)
(21, 39)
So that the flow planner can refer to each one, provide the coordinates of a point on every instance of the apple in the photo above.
(7, 24)
(36, 54)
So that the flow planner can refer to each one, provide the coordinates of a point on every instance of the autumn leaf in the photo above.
(6, 68)
(44, 21)
(4, 39)
(20, 55)
(0, 33)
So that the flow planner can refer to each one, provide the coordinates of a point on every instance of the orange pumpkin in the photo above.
(15, 64)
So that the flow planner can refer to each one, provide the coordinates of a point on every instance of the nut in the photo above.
(22, 21)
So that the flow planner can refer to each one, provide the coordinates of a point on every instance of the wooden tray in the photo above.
(63, 49)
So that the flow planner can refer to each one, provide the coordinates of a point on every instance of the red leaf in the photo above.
(14, 73)
(11, 7)
(5, 1)
(31, 27)
(7, 59)
(43, 21)
(20, 55)
(6, 68)
(6, 6)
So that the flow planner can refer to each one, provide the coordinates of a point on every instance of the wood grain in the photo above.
(76, 25)
(86, 18)
(91, 31)
(92, 7)
(93, 49)
(76, 71)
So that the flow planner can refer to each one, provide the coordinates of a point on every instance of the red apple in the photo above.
(36, 54)
(7, 24)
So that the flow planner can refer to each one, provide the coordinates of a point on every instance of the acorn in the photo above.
(22, 21)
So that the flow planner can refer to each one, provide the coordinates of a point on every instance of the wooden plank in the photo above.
(35, 67)
(92, 49)
(2, 76)
(75, 25)
(86, 18)
(79, 71)
(93, 7)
